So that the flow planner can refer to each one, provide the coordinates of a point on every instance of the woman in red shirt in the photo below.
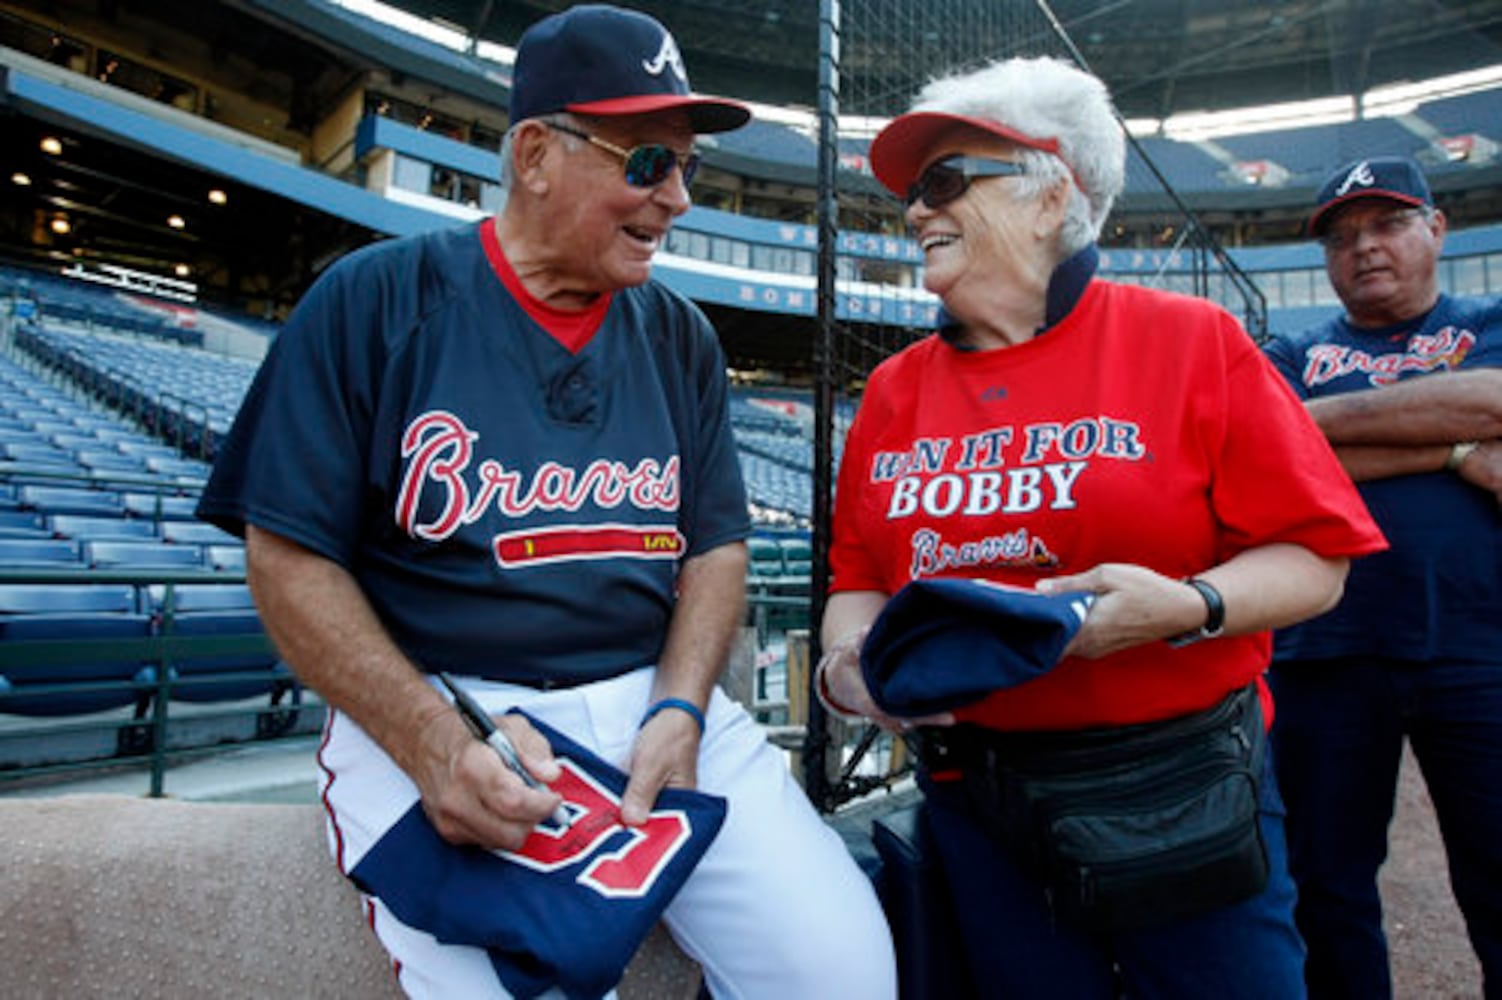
(1061, 433)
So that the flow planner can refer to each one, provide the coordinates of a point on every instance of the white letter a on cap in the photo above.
(1361, 174)
(666, 56)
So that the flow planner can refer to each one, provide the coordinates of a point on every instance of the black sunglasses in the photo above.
(945, 180)
(646, 166)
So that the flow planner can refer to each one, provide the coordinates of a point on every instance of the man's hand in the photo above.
(1483, 468)
(666, 755)
(471, 797)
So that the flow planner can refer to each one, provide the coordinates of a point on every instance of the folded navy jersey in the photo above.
(940, 644)
(571, 906)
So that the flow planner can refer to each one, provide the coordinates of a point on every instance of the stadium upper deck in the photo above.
(321, 129)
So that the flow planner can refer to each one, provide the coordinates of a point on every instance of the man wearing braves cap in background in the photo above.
(1405, 386)
(503, 452)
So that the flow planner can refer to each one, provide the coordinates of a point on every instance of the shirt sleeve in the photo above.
(1287, 359)
(851, 562)
(718, 509)
(294, 460)
(1276, 477)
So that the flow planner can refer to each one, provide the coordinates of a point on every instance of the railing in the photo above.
(146, 733)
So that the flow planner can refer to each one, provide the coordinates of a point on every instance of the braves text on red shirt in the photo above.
(1047, 459)
(1444, 348)
(440, 450)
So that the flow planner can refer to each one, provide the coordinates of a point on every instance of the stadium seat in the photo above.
(218, 609)
(69, 500)
(85, 526)
(112, 554)
(54, 598)
(196, 533)
(38, 552)
(99, 679)
(158, 507)
(797, 556)
(766, 557)
(225, 558)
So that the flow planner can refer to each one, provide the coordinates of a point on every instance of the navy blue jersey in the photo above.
(1436, 591)
(513, 509)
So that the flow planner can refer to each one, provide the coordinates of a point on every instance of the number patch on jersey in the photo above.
(624, 861)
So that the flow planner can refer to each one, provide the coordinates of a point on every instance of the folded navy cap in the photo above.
(941, 644)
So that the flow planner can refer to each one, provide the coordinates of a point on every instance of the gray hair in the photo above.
(1047, 98)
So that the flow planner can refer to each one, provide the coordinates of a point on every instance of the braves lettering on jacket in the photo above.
(415, 423)
(440, 451)
(1428, 596)
(1139, 428)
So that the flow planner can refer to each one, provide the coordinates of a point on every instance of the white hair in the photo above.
(1046, 98)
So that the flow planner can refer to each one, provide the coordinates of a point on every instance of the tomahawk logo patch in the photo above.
(1360, 174)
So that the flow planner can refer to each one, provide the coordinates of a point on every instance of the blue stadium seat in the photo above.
(225, 558)
(54, 598)
(86, 526)
(125, 555)
(70, 500)
(99, 679)
(217, 609)
(196, 533)
(39, 552)
(153, 506)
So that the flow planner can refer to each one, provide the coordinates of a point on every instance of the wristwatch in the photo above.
(1215, 615)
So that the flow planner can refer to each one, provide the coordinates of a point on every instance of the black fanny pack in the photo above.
(1125, 827)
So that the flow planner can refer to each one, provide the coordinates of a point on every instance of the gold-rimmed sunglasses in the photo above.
(647, 165)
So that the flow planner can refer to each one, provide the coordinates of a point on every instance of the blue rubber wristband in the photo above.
(678, 703)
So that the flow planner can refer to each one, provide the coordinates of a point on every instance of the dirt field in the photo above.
(1431, 956)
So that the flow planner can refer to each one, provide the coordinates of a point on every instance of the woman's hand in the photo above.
(1133, 605)
(842, 688)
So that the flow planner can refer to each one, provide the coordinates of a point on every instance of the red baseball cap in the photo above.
(900, 150)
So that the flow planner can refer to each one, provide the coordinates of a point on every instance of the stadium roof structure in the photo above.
(1159, 57)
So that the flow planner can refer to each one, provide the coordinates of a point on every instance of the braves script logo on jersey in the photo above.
(628, 869)
(440, 451)
(1445, 348)
(1361, 174)
(1051, 458)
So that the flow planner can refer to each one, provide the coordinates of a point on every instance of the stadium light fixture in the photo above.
(1193, 126)
(60, 225)
(218, 197)
(20, 179)
(52, 145)
(1402, 98)
(177, 222)
(182, 270)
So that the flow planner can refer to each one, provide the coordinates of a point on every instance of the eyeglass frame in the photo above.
(687, 163)
(1388, 224)
(969, 169)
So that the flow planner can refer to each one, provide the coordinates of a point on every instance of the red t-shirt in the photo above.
(1144, 428)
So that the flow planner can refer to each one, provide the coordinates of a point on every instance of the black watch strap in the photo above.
(1215, 615)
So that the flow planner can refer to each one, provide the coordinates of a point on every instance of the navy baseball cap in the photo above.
(1395, 178)
(596, 59)
(942, 644)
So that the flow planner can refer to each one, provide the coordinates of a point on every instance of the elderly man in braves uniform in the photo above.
(503, 452)
(1406, 387)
